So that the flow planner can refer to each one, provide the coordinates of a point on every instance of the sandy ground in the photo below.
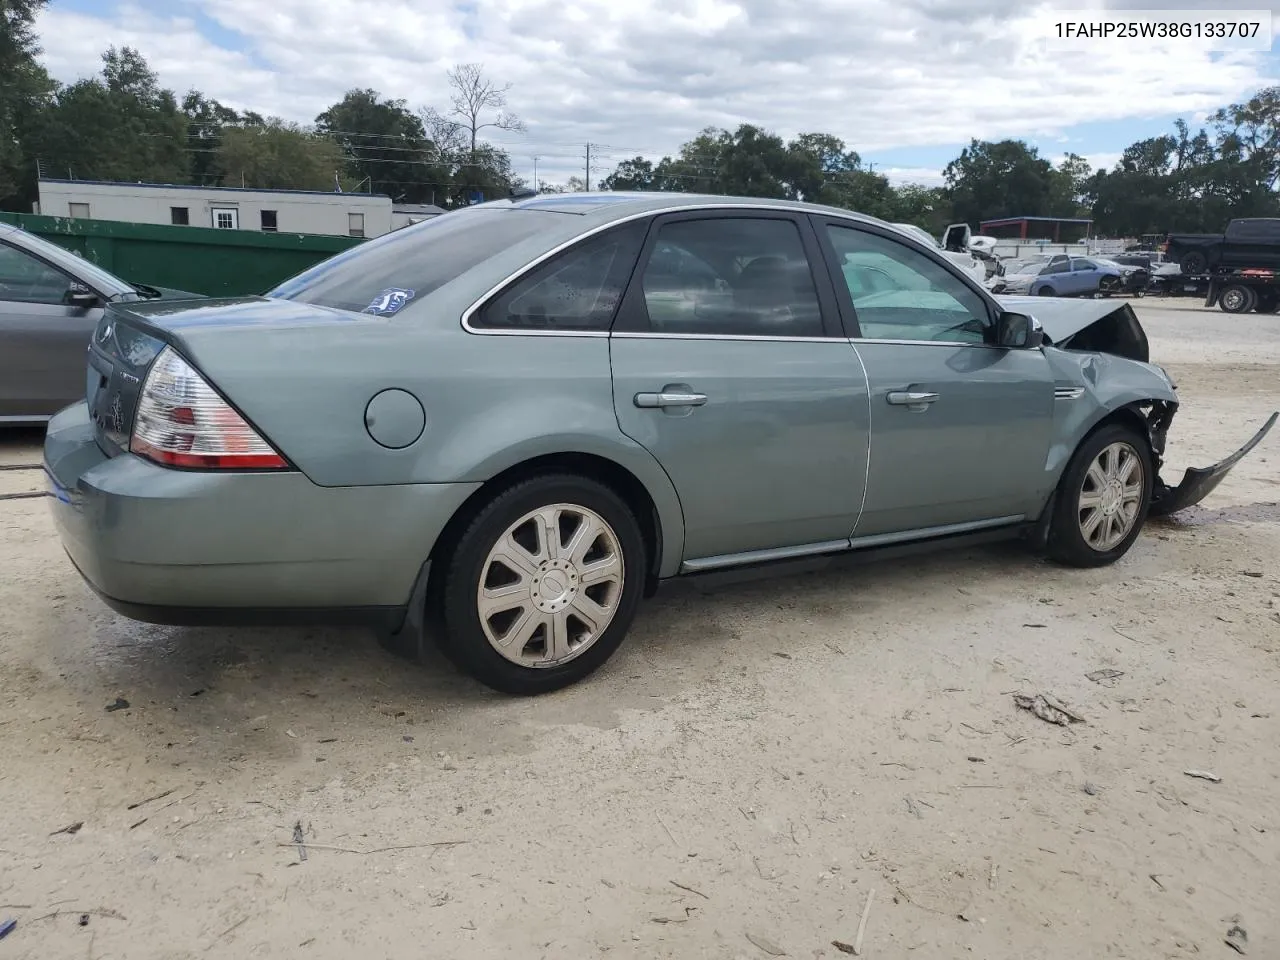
(756, 762)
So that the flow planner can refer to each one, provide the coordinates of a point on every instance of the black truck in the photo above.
(1249, 242)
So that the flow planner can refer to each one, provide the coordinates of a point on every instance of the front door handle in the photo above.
(911, 398)
(666, 399)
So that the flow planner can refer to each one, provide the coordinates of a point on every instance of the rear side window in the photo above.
(577, 290)
(400, 268)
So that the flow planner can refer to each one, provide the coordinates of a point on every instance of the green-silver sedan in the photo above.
(501, 428)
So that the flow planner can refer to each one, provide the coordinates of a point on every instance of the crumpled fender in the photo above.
(1198, 482)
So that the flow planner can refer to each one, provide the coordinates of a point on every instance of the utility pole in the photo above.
(535, 173)
(588, 178)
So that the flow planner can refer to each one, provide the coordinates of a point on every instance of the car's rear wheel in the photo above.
(1047, 292)
(542, 585)
(1237, 298)
(1103, 498)
(1193, 263)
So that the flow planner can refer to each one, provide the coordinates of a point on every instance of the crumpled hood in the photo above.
(1062, 318)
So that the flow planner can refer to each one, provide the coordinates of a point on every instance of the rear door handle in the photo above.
(670, 399)
(911, 398)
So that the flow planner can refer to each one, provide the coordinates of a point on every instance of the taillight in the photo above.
(182, 422)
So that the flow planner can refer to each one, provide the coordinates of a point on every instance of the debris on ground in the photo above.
(1256, 574)
(70, 829)
(862, 924)
(120, 703)
(1097, 676)
(913, 809)
(1237, 939)
(298, 838)
(842, 946)
(1090, 789)
(1203, 775)
(84, 919)
(6, 927)
(767, 945)
(1047, 709)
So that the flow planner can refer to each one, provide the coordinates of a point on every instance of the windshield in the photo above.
(1028, 268)
(107, 284)
(384, 275)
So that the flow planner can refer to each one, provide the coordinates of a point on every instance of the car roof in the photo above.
(620, 204)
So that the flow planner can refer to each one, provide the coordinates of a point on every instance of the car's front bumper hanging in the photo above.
(1198, 482)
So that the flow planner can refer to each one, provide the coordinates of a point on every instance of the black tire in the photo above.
(458, 628)
(1066, 542)
(1046, 292)
(1237, 298)
(1268, 301)
(1140, 292)
(1193, 263)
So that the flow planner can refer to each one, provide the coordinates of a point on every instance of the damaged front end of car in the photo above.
(1101, 350)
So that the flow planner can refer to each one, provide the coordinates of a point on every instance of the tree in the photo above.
(1005, 179)
(206, 120)
(635, 174)
(1069, 186)
(278, 156)
(123, 126)
(385, 142)
(25, 93)
(474, 96)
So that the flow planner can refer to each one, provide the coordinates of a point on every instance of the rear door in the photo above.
(730, 367)
(43, 340)
(959, 429)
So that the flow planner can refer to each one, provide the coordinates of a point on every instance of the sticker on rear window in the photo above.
(389, 301)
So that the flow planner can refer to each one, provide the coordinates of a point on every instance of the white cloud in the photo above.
(644, 76)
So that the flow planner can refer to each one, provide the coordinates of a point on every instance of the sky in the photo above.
(906, 83)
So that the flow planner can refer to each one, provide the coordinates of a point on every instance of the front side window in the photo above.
(1058, 266)
(899, 293)
(24, 279)
(731, 276)
(578, 290)
(1080, 266)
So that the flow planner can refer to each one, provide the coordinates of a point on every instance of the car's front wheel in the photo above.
(543, 585)
(1046, 292)
(1103, 498)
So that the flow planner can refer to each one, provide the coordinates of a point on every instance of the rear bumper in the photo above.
(174, 546)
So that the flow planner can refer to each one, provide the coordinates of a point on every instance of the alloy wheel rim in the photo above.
(1111, 496)
(551, 585)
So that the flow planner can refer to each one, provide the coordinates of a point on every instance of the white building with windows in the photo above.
(222, 208)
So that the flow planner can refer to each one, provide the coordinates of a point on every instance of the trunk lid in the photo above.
(131, 335)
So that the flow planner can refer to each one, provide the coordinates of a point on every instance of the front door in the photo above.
(959, 429)
(729, 366)
(44, 340)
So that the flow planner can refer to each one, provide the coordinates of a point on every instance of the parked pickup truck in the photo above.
(1253, 242)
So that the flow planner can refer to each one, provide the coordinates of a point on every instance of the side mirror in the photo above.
(1017, 331)
(81, 298)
